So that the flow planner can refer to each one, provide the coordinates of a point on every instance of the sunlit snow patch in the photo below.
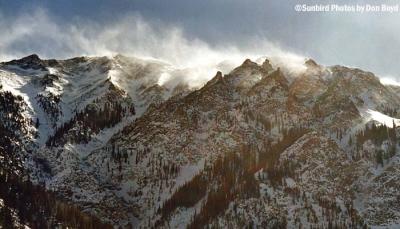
(389, 81)
(379, 117)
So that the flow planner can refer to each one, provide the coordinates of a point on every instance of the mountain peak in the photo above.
(219, 74)
(310, 63)
(32, 61)
(215, 79)
(248, 63)
(266, 65)
(279, 77)
(32, 57)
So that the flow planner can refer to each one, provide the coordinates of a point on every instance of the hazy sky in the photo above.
(61, 29)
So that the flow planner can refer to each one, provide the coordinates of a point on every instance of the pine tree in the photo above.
(379, 157)
(37, 124)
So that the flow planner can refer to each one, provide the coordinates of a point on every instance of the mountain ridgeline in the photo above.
(99, 142)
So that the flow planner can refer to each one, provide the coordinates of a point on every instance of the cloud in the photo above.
(368, 41)
(193, 60)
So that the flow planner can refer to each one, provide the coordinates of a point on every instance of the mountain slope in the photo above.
(54, 112)
(256, 147)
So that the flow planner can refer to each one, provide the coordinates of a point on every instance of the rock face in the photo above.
(251, 148)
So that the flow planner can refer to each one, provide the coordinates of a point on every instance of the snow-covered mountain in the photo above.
(259, 146)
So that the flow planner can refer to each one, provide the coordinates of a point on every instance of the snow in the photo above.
(188, 172)
(290, 182)
(377, 116)
(20, 85)
(182, 216)
(83, 167)
(389, 81)
(101, 138)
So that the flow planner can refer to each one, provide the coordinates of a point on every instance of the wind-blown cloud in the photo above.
(368, 41)
(131, 35)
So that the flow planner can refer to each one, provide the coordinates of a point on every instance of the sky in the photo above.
(188, 31)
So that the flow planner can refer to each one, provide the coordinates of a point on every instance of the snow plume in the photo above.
(194, 60)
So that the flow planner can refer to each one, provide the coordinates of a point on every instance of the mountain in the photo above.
(261, 147)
